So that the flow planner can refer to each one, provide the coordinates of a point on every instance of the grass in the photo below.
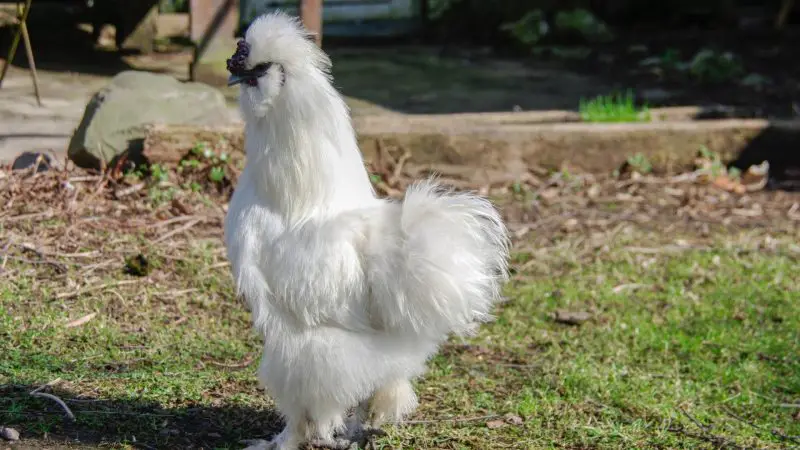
(684, 349)
(613, 108)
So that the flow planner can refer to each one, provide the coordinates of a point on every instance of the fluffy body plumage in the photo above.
(351, 293)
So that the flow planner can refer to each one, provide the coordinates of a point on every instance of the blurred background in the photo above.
(465, 55)
(433, 56)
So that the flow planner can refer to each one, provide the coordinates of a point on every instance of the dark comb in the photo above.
(236, 63)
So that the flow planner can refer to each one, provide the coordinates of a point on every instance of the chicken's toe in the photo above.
(333, 444)
(361, 434)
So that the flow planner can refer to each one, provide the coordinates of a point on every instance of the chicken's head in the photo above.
(276, 52)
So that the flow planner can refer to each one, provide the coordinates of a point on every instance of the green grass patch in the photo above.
(682, 350)
(616, 107)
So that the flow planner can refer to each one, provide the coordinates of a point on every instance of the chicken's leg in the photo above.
(293, 434)
(389, 403)
(392, 402)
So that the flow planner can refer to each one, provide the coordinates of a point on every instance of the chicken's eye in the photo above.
(260, 68)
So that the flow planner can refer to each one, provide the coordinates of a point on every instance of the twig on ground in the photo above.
(61, 268)
(64, 295)
(89, 269)
(177, 219)
(778, 434)
(176, 293)
(217, 265)
(388, 190)
(666, 249)
(84, 178)
(61, 403)
(5, 254)
(180, 229)
(81, 321)
(46, 385)
(719, 441)
(450, 419)
(694, 421)
(241, 365)
(44, 215)
(629, 287)
(398, 167)
(122, 193)
(90, 254)
(37, 393)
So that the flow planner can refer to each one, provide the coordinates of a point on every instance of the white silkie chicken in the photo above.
(351, 293)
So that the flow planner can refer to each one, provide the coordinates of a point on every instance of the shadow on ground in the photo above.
(430, 80)
(59, 45)
(43, 424)
(777, 146)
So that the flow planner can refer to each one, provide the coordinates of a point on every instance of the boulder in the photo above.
(115, 120)
(26, 160)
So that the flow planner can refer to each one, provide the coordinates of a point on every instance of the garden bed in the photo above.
(490, 149)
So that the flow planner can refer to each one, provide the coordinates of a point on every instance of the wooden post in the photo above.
(783, 14)
(26, 39)
(12, 50)
(311, 15)
(212, 28)
(22, 16)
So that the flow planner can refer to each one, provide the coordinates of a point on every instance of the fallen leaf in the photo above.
(181, 207)
(513, 419)
(81, 321)
(674, 192)
(494, 424)
(628, 287)
(572, 317)
(549, 194)
(746, 212)
(756, 177)
(569, 225)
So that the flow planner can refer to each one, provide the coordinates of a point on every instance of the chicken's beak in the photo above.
(236, 79)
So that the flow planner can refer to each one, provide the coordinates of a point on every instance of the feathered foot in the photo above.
(281, 444)
(360, 434)
(288, 439)
(390, 403)
(334, 444)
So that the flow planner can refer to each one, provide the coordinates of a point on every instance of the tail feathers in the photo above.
(446, 265)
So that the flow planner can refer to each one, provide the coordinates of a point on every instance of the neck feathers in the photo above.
(305, 154)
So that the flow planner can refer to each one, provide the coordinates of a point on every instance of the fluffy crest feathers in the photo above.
(280, 38)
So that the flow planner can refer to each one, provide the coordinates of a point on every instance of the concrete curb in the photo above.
(444, 143)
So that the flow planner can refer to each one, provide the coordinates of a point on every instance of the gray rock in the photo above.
(9, 434)
(115, 119)
(25, 160)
